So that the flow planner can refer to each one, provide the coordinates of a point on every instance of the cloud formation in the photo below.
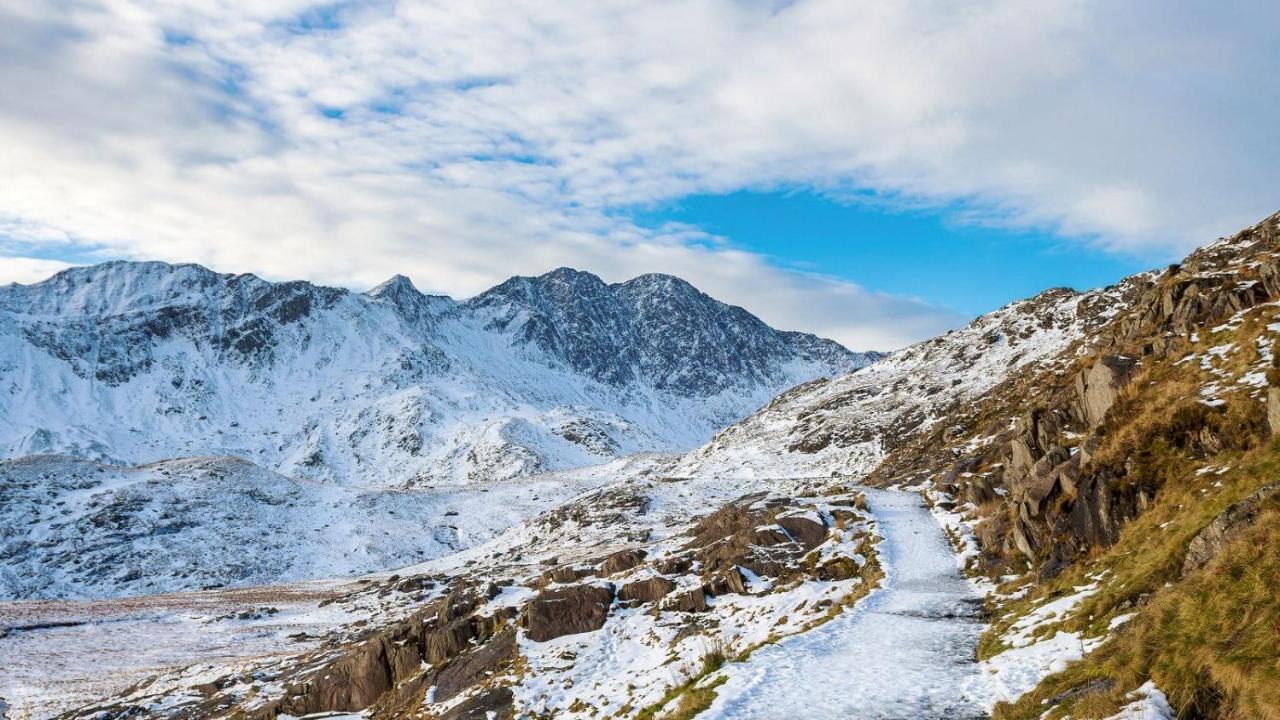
(460, 143)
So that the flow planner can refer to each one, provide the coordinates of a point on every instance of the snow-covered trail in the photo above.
(907, 651)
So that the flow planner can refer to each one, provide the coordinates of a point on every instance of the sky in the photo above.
(875, 172)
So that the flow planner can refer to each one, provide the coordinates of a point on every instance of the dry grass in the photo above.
(690, 697)
(1210, 641)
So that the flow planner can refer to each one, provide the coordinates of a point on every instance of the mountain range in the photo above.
(153, 413)
(129, 363)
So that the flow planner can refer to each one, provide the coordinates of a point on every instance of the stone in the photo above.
(727, 582)
(808, 532)
(694, 600)
(1236, 518)
(677, 565)
(838, 568)
(648, 590)
(1273, 409)
(568, 611)
(565, 574)
(621, 561)
(468, 670)
(1098, 387)
(495, 704)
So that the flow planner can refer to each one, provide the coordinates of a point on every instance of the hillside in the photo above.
(1124, 498)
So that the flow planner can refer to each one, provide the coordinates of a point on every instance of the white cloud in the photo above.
(28, 270)
(482, 139)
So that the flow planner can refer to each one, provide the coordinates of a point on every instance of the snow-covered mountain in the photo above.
(129, 363)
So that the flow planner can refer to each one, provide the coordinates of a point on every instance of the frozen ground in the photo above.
(56, 654)
(907, 651)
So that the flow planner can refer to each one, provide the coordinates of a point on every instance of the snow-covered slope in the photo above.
(132, 363)
(81, 529)
(846, 425)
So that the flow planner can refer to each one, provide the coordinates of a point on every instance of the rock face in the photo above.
(644, 330)
(568, 611)
(1205, 545)
(1099, 386)
(138, 362)
(1273, 410)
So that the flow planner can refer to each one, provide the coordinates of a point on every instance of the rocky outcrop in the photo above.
(566, 574)
(694, 600)
(621, 561)
(648, 590)
(809, 530)
(1273, 410)
(567, 611)
(1236, 518)
(446, 644)
(1098, 387)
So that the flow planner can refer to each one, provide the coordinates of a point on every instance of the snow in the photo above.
(1148, 704)
(78, 529)
(1014, 672)
(1024, 630)
(58, 654)
(902, 652)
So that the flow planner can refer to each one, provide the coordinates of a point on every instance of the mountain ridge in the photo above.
(137, 362)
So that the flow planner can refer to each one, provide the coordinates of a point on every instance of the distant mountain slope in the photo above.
(847, 425)
(139, 362)
(80, 529)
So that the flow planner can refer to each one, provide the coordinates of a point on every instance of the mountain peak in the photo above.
(396, 285)
(662, 281)
(571, 276)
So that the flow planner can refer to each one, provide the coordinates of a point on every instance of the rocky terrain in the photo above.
(657, 580)
(1124, 499)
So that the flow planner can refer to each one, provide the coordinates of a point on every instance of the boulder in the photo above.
(621, 561)
(676, 565)
(1205, 545)
(770, 535)
(1273, 410)
(726, 582)
(838, 568)
(649, 590)
(808, 532)
(1098, 386)
(694, 600)
(567, 611)
(565, 574)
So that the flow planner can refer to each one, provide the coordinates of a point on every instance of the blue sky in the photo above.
(977, 152)
(925, 253)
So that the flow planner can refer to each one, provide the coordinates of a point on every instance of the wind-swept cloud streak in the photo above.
(460, 143)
